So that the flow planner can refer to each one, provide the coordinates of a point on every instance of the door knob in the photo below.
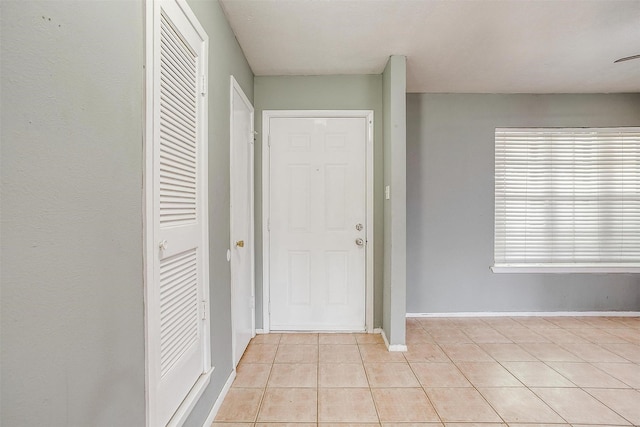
(240, 243)
(359, 242)
(163, 245)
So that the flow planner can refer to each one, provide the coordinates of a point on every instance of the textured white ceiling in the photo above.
(481, 46)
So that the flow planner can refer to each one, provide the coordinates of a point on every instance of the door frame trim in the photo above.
(235, 87)
(266, 200)
(149, 247)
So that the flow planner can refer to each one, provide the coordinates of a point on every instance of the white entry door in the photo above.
(177, 237)
(317, 223)
(242, 241)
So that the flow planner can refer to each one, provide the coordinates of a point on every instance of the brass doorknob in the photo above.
(240, 243)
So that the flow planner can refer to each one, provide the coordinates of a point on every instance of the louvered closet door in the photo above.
(179, 220)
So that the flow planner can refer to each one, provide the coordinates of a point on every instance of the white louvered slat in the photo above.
(178, 129)
(178, 307)
(567, 196)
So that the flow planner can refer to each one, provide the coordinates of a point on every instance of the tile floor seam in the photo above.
(375, 405)
(608, 406)
(427, 395)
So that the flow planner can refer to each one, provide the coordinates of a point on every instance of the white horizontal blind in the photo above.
(567, 197)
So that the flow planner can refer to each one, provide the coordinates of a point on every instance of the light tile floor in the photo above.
(458, 372)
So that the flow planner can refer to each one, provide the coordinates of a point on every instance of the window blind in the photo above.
(567, 197)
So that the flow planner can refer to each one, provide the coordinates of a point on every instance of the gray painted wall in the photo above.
(72, 290)
(394, 105)
(225, 59)
(450, 149)
(359, 92)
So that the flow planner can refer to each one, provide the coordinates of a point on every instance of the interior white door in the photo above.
(177, 311)
(242, 241)
(317, 223)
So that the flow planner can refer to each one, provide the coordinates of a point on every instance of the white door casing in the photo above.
(176, 220)
(318, 177)
(242, 217)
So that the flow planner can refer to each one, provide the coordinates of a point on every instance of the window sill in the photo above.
(566, 268)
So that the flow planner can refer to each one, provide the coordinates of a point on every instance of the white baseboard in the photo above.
(531, 314)
(259, 331)
(220, 399)
(390, 347)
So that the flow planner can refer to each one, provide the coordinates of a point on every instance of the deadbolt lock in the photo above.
(359, 227)
(240, 243)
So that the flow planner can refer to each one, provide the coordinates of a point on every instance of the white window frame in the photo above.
(504, 157)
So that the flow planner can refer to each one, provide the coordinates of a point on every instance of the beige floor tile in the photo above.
(240, 405)
(601, 322)
(372, 353)
(461, 405)
(259, 353)
(425, 352)
(369, 338)
(586, 375)
(629, 351)
(550, 352)
(560, 336)
(567, 322)
(403, 405)
(631, 335)
(337, 339)
(285, 425)
(349, 425)
(540, 425)
(412, 425)
(522, 335)
(301, 353)
(519, 405)
(449, 336)
(468, 322)
(342, 375)
(299, 338)
(419, 336)
(485, 335)
(475, 425)
(289, 405)
(534, 322)
(537, 374)
(439, 375)
(630, 321)
(339, 353)
(628, 373)
(435, 323)
(501, 323)
(466, 353)
(266, 339)
(597, 336)
(215, 424)
(577, 407)
(488, 374)
(624, 402)
(252, 375)
(293, 375)
(592, 352)
(390, 375)
(507, 353)
(346, 405)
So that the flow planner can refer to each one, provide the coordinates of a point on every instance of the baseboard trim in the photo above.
(390, 347)
(260, 331)
(220, 399)
(531, 314)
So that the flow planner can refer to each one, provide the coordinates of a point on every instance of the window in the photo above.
(567, 200)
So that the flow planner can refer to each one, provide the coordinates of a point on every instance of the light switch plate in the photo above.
(387, 192)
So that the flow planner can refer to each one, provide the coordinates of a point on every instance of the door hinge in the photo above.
(204, 310)
(203, 83)
(268, 224)
(252, 137)
(269, 140)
